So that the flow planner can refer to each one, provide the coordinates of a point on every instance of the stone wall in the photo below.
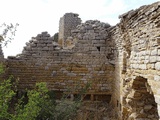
(116, 39)
(90, 61)
(122, 61)
(140, 63)
(67, 23)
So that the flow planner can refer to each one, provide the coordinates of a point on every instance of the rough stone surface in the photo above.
(44, 60)
(139, 33)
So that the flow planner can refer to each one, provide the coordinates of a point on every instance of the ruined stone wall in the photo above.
(122, 61)
(140, 73)
(67, 23)
(116, 39)
(89, 61)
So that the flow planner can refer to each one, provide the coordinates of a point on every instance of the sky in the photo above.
(36, 16)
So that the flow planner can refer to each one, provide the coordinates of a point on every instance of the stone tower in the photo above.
(67, 23)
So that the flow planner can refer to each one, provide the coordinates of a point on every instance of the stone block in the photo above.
(63, 84)
(41, 45)
(71, 74)
(158, 91)
(146, 59)
(93, 48)
(148, 52)
(148, 107)
(158, 58)
(34, 49)
(151, 66)
(143, 66)
(99, 85)
(143, 53)
(158, 51)
(152, 59)
(156, 77)
(44, 33)
(50, 48)
(106, 85)
(45, 48)
(135, 66)
(100, 45)
(95, 52)
(102, 41)
(101, 72)
(95, 41)
(158, 108)
(27, 48)
(103, 48)
(142, 58)
(157, 66)
(33, 45)
(91, 31)
(157, 100)
(83, 79)
(154, 52)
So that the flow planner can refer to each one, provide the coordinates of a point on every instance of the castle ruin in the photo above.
(121, 62)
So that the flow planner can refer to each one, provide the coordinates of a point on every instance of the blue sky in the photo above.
(36, 16)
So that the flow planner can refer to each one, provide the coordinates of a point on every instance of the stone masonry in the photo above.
(140, 62)
(122, 62)
(67, 23)
(43, 60)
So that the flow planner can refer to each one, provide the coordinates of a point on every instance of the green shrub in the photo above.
(28, 111)
(33, 107)
(6, 94)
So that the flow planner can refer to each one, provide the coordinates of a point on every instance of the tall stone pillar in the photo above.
(67, 23)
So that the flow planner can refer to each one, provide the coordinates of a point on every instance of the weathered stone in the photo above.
(152, 59)
(157, 99)
(140, 103)
(71, 74)
(148, 107)
(158, 108)
(154, 52)
(151, 116)
(143, 66)
(157, 77)
(157, 66)
(53, 73)
(158, 51)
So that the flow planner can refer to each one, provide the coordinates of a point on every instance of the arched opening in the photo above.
(141, 101)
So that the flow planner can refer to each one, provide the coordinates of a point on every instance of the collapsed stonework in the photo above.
(43, 60)
(121, 62)
(140, 62)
